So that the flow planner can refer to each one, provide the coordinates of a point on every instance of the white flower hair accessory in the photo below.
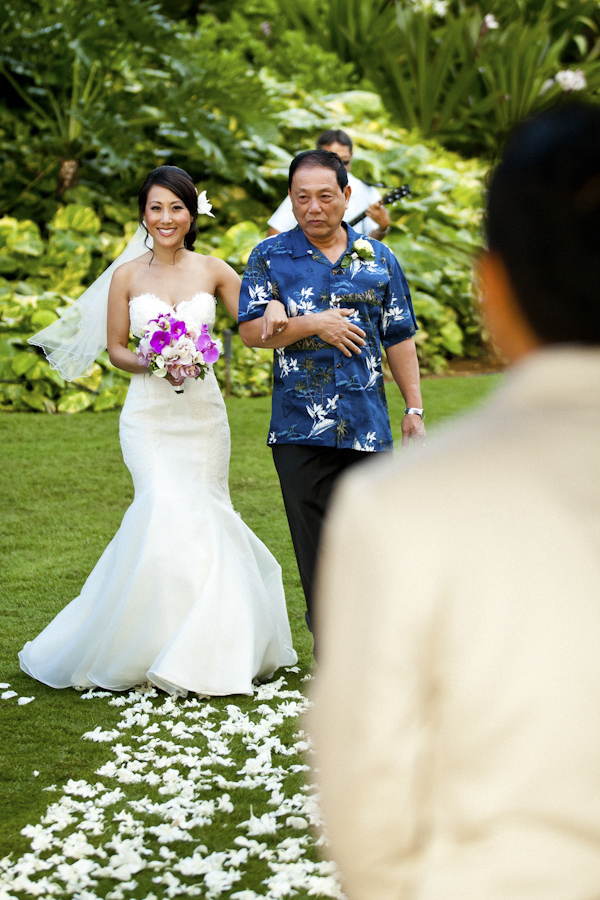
(204, 206)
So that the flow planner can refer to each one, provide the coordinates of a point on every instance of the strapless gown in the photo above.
(185, 596)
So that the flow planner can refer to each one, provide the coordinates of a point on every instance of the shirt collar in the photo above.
(301, 246)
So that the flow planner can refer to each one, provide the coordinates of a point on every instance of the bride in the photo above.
(185, 596)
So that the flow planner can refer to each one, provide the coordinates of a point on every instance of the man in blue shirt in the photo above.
(345, 295)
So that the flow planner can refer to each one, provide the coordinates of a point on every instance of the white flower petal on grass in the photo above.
(80, 788)
(23, 701)
(184, 758)
(257, 825)
(4, 684)
(167, 834)
(8, 695)
(296, 822)
(101, 736)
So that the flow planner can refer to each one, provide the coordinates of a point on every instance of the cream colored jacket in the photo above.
(457, 714)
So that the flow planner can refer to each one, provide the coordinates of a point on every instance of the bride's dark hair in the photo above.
(180, 183)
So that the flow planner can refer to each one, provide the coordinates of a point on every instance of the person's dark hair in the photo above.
(543, 221)
(180, 183)
(334, 136)
(315, 158)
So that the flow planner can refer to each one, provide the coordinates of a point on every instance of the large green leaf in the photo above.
(38, 401)
(41, 318)
(78, 218)
(24, 362)
(452, 338)
(75, 402)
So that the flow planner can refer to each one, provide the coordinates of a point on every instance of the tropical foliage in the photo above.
(457, 70)
(435, 233)
(95, 96)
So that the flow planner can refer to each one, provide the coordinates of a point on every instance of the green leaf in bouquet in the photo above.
(75, 402)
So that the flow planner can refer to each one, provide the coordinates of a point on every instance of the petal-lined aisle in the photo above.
(195, 800)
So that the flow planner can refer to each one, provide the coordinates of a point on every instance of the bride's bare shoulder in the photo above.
(215, 266)
(124, 274)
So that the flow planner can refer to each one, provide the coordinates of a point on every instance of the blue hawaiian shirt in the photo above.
(320, 396)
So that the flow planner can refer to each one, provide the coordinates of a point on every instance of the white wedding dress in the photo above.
(185, 596)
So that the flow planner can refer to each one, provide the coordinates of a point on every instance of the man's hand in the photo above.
(274, 320)
(412, 429)
(333, 326)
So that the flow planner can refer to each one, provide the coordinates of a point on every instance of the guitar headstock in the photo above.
(396, 194)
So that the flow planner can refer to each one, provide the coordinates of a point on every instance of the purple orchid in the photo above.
(207, 346)
(178, 328)
(159, 340)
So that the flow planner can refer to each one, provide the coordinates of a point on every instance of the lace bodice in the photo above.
(199, 310)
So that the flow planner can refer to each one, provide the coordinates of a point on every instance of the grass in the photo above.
(64, 490)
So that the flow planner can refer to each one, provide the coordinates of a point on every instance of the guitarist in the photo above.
(363, 196)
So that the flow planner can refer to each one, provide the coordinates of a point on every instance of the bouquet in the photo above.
(169, 347)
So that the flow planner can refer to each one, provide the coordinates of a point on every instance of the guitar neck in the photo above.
(357, 219)
(391, 197)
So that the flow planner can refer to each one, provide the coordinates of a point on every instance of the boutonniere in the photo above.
(361, 249)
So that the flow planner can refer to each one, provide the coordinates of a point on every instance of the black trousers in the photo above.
(307, 476)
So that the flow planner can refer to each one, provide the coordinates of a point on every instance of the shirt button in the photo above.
(338, 366)
(340, 396)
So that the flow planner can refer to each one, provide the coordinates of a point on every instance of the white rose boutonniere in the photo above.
(361, 249)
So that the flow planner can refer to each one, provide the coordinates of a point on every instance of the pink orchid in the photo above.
(178, 328)
(159, 340)
(207, 346)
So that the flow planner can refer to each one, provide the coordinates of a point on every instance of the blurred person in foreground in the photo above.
(457, 714)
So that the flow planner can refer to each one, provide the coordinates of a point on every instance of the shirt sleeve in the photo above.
(283, 219)
(256, 290)
(398, 321)
(368, 224)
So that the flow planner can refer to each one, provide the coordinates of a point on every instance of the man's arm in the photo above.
(404, 366)
(283, 219)
(331, 325)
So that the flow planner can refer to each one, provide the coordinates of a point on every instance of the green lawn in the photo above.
(64, 491)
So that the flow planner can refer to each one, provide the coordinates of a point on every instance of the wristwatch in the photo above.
(413, 411)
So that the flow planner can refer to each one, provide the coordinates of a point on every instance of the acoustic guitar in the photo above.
(390, 198)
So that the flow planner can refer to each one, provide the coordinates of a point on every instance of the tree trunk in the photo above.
(67, 175)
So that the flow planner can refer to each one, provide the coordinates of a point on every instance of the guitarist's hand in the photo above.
(381, 217)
